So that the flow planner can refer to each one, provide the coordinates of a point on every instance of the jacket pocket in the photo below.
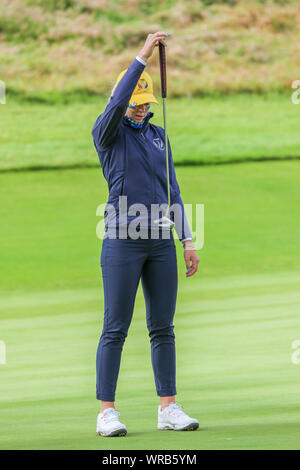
(116, 187)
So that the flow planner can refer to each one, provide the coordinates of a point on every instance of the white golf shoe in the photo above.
(108, 424)
(172, 417)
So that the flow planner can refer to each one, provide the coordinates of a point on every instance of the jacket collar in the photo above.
(145, 123)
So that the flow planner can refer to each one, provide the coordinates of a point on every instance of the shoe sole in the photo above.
(188, 427)
(117, 432)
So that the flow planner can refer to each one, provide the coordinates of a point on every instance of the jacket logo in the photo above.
(159, 143)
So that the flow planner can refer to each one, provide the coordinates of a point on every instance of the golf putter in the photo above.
(164, 221)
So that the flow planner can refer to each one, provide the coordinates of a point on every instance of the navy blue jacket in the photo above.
(133, 160)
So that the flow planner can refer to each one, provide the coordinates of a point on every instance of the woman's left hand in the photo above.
(191, 256)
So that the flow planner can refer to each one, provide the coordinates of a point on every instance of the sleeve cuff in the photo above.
(141, 60)
(186, 240)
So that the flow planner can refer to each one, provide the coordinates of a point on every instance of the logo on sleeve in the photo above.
(159, 143)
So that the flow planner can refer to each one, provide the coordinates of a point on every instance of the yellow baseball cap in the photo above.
(143, 92)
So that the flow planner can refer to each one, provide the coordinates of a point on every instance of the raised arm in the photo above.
(107, 124)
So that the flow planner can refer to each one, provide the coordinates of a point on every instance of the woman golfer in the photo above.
(132, 154)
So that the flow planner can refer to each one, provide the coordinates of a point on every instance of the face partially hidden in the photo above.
(139, 112)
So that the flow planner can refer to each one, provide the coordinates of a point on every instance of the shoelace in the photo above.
(176, 409)
(111, 415)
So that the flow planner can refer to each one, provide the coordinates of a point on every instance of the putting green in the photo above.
(235, 320)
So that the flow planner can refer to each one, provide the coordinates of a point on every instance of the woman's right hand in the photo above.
(152, 41)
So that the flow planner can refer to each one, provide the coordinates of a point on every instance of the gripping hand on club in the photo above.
(151, 42)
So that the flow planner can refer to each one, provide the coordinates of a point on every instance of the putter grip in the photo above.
(163, 69)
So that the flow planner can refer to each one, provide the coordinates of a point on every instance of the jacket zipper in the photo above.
(153, 201)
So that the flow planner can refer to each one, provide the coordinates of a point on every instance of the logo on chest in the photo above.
(159, 143)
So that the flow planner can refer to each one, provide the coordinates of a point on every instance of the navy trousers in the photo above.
(124, 262)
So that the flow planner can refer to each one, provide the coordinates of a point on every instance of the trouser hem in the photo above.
(166, 393)
(104, 398)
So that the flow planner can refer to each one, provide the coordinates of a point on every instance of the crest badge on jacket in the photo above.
(159, 143)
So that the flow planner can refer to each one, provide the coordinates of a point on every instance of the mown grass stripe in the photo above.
(184, 163)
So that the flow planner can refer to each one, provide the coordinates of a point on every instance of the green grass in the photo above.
(235, 319)
(201, 130)
(228, 46)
